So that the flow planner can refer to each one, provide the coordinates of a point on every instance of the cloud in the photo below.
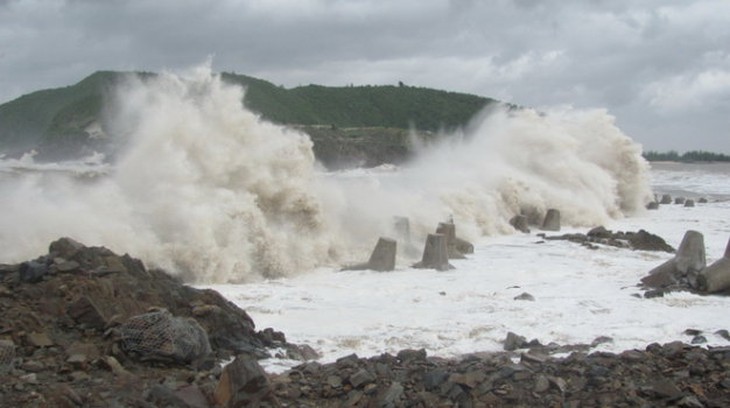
(701, 90)
(630, 57)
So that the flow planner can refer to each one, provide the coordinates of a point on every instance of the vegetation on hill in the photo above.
(691, 156)
(59, 122)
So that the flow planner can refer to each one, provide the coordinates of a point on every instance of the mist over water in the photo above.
(205, 188)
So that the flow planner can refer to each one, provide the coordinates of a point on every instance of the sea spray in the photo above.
(207, 189)
(202, 187)
(510, 162)
(228, 196)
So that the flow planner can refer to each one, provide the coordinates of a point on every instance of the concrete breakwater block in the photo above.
(435, 254)
(382, 258)
(402, 227)
(679, 200)
(552, 220)
(691, 252)
(519, 222)
(716, 277)
(652, 206)
(689, 203)
(666, 199)
(464, 246)
(448, 229)
(687, 263)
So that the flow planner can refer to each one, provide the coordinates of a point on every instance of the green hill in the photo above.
(59, 123)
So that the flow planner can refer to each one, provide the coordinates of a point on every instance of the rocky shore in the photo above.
(85, 327)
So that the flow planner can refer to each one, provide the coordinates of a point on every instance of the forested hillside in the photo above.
(65, 122)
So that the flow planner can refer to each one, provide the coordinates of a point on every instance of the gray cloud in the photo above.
(662, 67)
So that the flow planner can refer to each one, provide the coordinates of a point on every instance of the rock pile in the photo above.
(673, 374)
(83, 326)
(640, 240)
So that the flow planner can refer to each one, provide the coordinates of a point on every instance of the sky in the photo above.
(661, 67)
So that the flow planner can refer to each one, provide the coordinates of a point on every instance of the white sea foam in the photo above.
(207, 189)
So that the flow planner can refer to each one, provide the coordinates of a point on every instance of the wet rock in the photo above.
(244, 383)
(7, 354)
(391, 395)
(360, 378)
(666, 199)
(84, 311)
(653, 205)
(65, 248)
(525, 296)
(646, 241)
(599, 232)
(601, 340)
(689, 203)
(542, 384)
(408, 355)
(64, 266)
(699, 339)
(32, 271)
(724, 334)
(679, 200)
(514, 342)
(665, 388)
(39, 339)
(433, 379)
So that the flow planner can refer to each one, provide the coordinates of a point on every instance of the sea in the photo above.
(211, 192)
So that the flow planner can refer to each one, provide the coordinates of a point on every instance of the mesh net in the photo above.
(164, 337)
(7, 354)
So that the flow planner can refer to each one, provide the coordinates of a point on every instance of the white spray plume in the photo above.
(207, 189)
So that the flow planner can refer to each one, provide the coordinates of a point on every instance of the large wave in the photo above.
(207, 189)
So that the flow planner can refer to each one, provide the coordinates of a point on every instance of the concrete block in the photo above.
(519, 222)
(552, 220)
(435, 254)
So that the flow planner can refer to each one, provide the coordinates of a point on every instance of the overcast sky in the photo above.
(661, 67)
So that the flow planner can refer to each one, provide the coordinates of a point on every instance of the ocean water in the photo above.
(208, 190)
(580, 294)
